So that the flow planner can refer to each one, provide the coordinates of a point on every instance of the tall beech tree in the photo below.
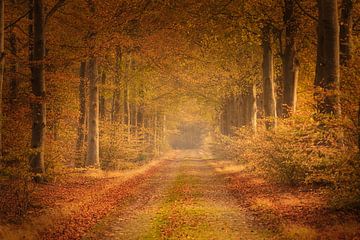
(38, 102)
(92, 157)
(346, 26)
(268, 79)
(82, 112)
(2, 63)
(116, 100)
(13, 67)
(290, 61)
(102, 104)
(327, 79)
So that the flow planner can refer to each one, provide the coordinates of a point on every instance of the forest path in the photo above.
(185, 199)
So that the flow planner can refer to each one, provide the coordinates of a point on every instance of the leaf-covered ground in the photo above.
(187, 199)
(187, 195)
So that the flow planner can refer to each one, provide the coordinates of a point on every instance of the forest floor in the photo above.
(186, 195)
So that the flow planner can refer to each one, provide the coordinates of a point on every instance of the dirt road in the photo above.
(185, 199)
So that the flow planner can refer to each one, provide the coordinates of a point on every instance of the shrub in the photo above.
(302, 151)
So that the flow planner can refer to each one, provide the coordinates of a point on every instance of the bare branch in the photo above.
(58, 4)
(305, 12)
(17, 20)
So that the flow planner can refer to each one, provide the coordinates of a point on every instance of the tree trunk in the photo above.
(359, 126)
(115, 116)
(82, 116)
(92, 158)
(155, 133)
(251, 110)
(290, 61)
(346, 25)
(268, 80)
(127, 107)
(327, 79)
(232, 115)
(242, 110)
(102, 97)
(164, 130)
(13, 68)
(227, 116)
(38, 104)
(136, 124)
(128, 110)
(2, 65)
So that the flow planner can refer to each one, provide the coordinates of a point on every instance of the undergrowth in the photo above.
(301, 151)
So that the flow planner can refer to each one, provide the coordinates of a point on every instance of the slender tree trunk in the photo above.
(116, 94)
(128, 111)
(13, 68)
(102, 97)
(82, 116)
(155, 133)
(290, 61)
(38, 104)
(125, 104)
(359, 126)
(268, 80)
(327, 79)
(346, 26)
(136, 112)
(93, 131)
(164, 130)
(127, 98)
(2, 65)
(251, 108)
(92, 157)
(232, 114)
(227, 116)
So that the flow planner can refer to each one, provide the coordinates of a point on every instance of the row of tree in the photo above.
(113, 98)
(116, 70)
(281, 64)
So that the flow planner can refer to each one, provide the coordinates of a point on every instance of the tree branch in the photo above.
(58, 4)
(305, 12)
(17, 20)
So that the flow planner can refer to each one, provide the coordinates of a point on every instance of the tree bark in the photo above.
(290, 61)
(155, 133)
(82, 115)
(346, 25)
(2, 65)
(251, 109)
(13, 68)
(136, 123)
(327, 79)
(268, 80)
(92, 158)
(38, 104)
(116, 94)
(102, 96)
(127, 108)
